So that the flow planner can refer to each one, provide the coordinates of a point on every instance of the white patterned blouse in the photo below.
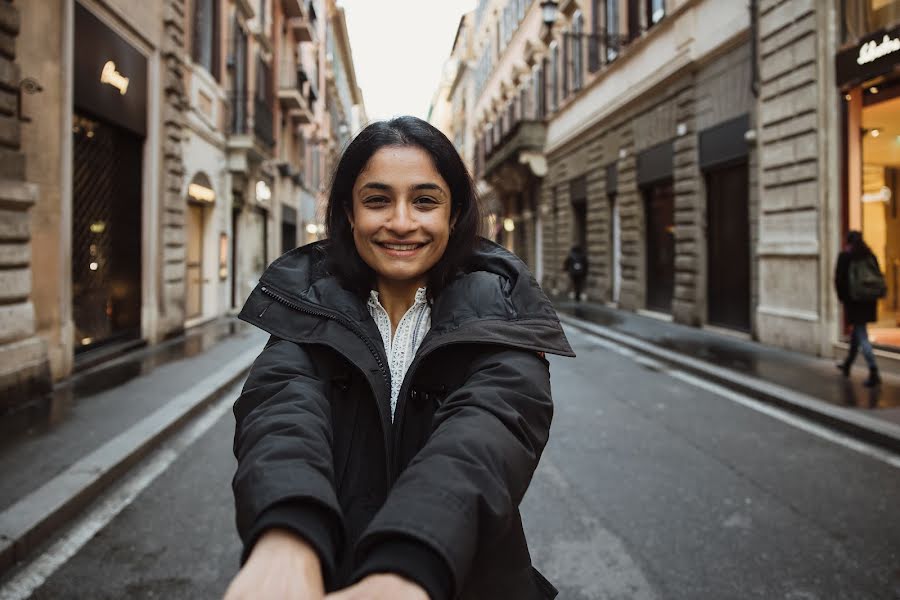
(409, 335)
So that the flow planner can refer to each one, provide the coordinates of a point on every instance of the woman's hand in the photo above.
(281, 565)
(381, 586)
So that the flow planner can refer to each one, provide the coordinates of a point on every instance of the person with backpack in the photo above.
(576, 265)
(859, 284)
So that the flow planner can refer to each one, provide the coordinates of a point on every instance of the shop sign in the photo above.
(110, 75)
(874, 55)
(872, 50)
(114, 78)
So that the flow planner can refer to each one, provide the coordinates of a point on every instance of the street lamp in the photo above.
(548, 10)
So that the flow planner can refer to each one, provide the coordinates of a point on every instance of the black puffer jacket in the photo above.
(856, 312)
(434, 495)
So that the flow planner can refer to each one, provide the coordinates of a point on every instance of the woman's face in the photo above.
(401, 215)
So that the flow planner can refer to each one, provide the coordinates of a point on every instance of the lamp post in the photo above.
(549, 9)
(610, 41)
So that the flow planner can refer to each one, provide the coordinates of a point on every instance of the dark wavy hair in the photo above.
(343, 260)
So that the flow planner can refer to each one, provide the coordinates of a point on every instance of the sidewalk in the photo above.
(808, 385)
(60, 455)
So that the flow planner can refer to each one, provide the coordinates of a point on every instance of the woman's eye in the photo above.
(426, 200)
(375, 201)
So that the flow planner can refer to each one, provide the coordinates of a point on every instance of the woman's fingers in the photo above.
(381, 586)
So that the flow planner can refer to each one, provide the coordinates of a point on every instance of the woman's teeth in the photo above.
(401, 246)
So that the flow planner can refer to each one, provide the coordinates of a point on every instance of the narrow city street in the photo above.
(654, 486)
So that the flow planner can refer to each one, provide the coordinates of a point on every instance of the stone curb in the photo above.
(31, 520)
(872, 430)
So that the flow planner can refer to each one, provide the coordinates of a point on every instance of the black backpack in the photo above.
(865, 281)
(577, 267)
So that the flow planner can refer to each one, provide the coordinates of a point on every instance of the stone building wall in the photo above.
(24, 368)
(172, 231)
(789, 312)
(676, 112)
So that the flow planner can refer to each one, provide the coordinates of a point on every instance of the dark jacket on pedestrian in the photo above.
(434, 495)
(857, 313)
(576, 263)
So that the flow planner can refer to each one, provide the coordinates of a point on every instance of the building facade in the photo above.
(710, 156)
(157, 156)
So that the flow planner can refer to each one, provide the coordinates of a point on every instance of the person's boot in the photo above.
(844, 368)
(874, 378)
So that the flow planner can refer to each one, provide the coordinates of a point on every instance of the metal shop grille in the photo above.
(106, 234)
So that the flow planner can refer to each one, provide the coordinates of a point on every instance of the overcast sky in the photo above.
(399, 48)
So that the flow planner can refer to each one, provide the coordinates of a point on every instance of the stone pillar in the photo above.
(688, 233)
(631, 213)
(172, 298)
(790, 192)
(24, 368)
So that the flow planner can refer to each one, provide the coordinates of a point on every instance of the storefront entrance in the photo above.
(879, 200)
(659, 202)
(194, 264)
(106, 232)
(728, 247)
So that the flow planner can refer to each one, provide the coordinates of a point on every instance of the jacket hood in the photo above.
(495, 299)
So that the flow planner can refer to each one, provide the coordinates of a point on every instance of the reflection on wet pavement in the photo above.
(46, 412)
(808, 375)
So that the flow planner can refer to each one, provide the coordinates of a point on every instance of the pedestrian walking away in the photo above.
(390, 428)
(859, 284)
(576, 265)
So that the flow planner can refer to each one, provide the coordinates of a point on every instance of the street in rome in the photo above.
(656, 484)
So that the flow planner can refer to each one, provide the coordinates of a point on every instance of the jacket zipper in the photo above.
(371, 346)
(326, 315)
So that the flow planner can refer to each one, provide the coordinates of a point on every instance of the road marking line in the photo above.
(784, 416)
(791, 419)
(35, 573)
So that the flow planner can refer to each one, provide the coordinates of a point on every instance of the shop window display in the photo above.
(878, 203)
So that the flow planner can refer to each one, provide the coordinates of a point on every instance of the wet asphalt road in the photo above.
(650, 488)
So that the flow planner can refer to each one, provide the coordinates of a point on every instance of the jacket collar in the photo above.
(495, 299)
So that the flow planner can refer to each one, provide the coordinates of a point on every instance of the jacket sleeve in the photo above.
(466, 483)
(841, 277)
(282, 442)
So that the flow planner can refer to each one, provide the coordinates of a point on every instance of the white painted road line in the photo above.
(798, 422)
(35, 573)
(776, 413)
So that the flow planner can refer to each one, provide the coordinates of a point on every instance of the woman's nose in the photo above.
(402, 219)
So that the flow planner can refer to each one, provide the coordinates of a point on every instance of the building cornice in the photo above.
(681, 41)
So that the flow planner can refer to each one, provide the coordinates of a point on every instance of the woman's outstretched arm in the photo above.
(284, 481)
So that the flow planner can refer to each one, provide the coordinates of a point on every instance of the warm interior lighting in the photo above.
(311, 228)
(875, 133)
(94, 266)
(201, 193)
(98, 227)
(873, 89)
(509, 224)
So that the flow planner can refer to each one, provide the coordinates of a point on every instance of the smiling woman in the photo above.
(391, 426)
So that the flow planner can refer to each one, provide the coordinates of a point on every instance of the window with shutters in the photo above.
(206, 36)
(613, 28)
(577, 51)
(566, 62)
(656, 10)
(554, 76)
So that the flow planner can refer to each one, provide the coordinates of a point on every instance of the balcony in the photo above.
(293, 93)
(522, 144)
(251, 135)
(304, 31)
(293, 8)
